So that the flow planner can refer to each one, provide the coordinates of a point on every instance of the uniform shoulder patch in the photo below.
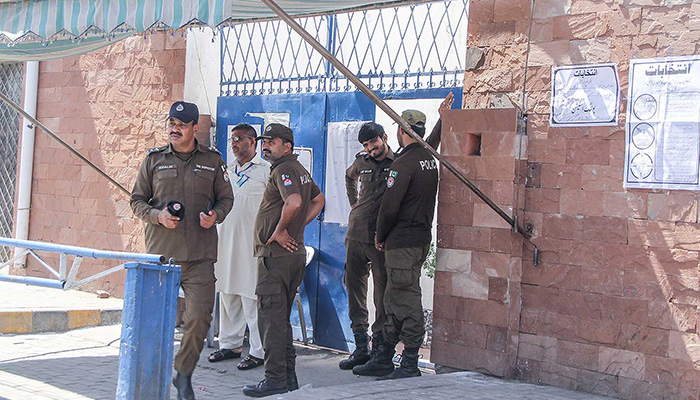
(286, 179)
(361, 154)
(156, 150)
(214, 150)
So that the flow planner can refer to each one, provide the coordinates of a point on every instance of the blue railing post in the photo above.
(148, 326)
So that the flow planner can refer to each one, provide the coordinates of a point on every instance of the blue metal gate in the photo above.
(323, 291)
(268, 73)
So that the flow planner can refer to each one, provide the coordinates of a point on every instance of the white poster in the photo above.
(663, 124)
(341, 148)
(585, 95)
(305, 156)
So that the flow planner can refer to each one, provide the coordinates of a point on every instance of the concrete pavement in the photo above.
(83, 364)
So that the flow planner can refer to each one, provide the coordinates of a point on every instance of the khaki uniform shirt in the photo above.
(287, 177)
(372, 176)
(200, 183)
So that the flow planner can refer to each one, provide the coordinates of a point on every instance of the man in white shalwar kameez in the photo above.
(236, 270)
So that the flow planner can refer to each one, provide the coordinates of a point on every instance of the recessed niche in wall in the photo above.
(473, 144)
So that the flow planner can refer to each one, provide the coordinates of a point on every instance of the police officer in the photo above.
(371, 169)
(404, 233)
(193, 179)
(291, 200)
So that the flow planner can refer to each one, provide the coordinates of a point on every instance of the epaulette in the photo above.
(156, 150)
(214, 149)
(361, 154)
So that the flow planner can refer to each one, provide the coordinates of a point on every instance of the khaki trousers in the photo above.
(278, 281)
(198, 282)
(356, 273)
(402, 299)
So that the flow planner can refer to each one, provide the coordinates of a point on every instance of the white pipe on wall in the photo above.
(26, 159)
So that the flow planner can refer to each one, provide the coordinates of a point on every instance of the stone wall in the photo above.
(110, 105)
(612, 306)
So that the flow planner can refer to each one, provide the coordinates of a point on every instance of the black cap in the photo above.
(184, 111)
(275, 130)
(176, 209)
(369, 131)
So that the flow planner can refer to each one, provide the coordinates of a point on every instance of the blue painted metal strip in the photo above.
(29, 280)
(83, 251)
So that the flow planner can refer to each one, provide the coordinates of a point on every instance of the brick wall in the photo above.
(110, 105)
(612, 307)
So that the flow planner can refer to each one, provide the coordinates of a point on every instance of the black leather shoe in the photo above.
(264, 388)
(183, 384)
(292, 382)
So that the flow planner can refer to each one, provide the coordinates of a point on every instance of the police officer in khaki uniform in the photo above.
(291, 200)
(195, 178)
(371, 169)
(403, 232)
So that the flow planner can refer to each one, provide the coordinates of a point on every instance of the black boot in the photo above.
(380, 364)
(361, 353)
(408, 367)
(377, 338)
(264, 388)
(292, 382)
(183, 383)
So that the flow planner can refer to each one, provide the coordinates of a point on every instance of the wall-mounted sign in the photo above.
(663, 124)
(585, 95)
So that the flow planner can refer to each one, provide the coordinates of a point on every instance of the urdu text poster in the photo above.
(662, 135)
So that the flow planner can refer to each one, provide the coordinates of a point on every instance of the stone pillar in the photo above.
(203, 134)
(479, 259)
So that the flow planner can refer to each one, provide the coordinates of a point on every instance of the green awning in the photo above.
(45, 29)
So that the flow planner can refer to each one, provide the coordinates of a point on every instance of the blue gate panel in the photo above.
(307, 120)
(323, 291)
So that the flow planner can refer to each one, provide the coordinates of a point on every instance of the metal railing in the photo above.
(148, 317)
(65, 276)
(417, 46)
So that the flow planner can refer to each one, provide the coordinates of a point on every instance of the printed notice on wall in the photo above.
(586, 95)
(341, 148)
(663, 124)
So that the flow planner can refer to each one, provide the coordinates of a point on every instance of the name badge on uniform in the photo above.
(205, 167)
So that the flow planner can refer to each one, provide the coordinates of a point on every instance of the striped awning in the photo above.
(44, 29)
